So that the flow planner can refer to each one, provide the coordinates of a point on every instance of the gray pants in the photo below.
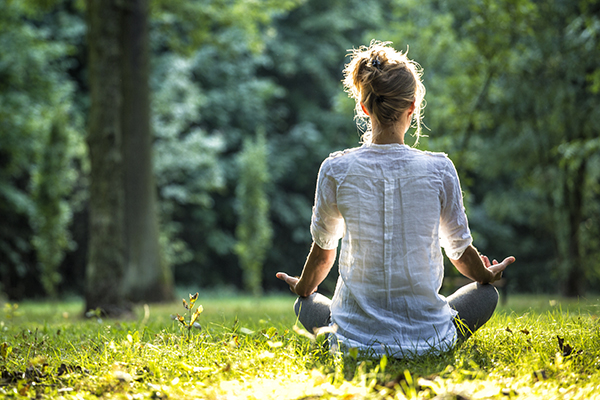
(474, 303)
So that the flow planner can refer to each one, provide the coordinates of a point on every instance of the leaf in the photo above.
(566, 348)
(182, 320)
(246, 331)
(193, 299)
(196, 314)
(272, 331)
(185, 304)
(194, 317)
(383, 363)
(274, 345)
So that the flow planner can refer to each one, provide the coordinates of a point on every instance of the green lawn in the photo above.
(534, 347)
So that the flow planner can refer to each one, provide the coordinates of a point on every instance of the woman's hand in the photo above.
(290, 280)
(316, 268)
(479, 268)
(495, 267)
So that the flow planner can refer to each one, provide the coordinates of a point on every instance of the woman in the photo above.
(394, 207)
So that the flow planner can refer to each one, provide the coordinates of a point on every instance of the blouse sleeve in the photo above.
(455, 235)
(327, 224)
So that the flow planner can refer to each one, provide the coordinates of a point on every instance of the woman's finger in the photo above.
(509, 260)
(280, 275)
(290, 280)
(486, 261)
(498, 267)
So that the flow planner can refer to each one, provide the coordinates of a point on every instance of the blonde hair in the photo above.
(387, 82)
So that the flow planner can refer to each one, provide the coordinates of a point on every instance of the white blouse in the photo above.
(393, 206)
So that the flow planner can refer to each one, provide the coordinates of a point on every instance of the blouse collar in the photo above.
(386, 146)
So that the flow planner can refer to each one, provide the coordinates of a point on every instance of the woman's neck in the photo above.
(394, 134)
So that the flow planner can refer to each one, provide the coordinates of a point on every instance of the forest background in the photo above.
(246, 102)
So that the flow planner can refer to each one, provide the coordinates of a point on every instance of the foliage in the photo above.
(41, 151)
(177, 22)
(186, 158)
(247, 350)
(53, 181)
(491, 70)
(254, 229)
(528, 130)
(512, 98)
(206, 103)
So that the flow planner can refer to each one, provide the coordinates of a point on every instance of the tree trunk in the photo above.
(124, 256)
(148, 277)
(106, 262)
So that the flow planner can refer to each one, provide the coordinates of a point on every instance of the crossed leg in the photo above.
(475, 304)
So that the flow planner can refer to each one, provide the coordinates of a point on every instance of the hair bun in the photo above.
(386, 82)
(376, 63)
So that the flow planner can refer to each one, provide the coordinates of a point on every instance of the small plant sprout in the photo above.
(193, 314)
(11, 311)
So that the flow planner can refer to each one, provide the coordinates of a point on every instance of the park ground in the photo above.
(534, 347)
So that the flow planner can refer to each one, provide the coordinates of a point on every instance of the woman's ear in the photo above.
(365, 108)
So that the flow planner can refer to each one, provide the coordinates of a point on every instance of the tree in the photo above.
(40, 148)
(254, 228)
(106, 257)
(124, 261)
(148, 278)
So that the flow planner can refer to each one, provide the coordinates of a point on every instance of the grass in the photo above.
(248, 349)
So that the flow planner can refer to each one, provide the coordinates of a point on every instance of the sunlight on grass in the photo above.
(534, 347)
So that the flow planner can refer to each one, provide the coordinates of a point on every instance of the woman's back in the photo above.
(391, 198)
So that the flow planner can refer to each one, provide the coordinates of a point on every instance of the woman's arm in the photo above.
(317, 266)
(478, 267)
